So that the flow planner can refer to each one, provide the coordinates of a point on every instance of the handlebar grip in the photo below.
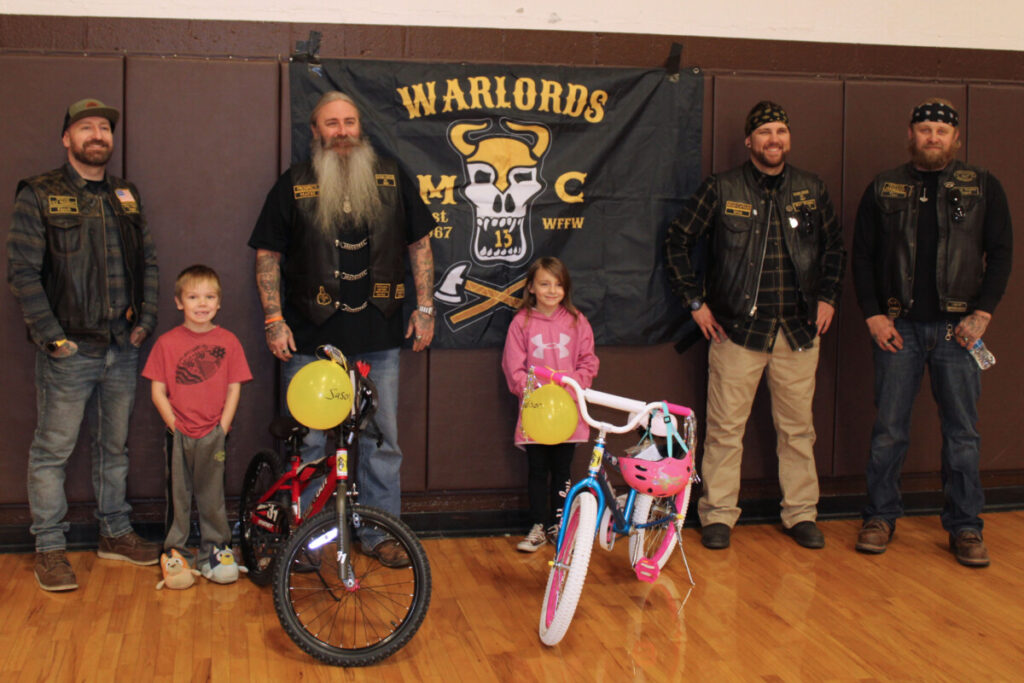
(677, 409)
(548, 373)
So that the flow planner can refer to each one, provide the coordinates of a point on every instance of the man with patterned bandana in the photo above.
(336, 228)
(932, 252)
(83, 268)
(775, 264)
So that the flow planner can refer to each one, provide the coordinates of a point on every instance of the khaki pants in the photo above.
(734, 375)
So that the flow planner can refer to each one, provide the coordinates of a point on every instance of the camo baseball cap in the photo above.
(90, 106)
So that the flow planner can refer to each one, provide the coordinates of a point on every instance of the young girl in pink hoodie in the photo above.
(548, 331)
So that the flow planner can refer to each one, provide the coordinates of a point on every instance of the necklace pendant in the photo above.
(346, 206)
(924, 196)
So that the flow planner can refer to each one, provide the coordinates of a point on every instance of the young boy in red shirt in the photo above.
(197, 370)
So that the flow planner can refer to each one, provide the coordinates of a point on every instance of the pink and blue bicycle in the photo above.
(651, 514)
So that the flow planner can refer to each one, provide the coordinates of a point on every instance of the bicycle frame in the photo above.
(596, 480)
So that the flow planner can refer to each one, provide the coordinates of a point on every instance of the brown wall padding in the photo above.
(204, 139)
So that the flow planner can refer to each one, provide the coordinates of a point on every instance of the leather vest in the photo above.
(740, 237)
(960, 210)
(312, 265)
(74, 271)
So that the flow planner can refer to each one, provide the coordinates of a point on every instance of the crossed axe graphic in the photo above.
(454, 285)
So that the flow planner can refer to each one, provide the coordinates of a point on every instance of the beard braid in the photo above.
(350, 178)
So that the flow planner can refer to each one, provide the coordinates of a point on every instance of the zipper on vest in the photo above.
(764, 250)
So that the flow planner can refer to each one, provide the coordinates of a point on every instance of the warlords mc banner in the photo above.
(517, 162)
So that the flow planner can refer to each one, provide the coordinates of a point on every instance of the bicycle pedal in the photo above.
(647, 570)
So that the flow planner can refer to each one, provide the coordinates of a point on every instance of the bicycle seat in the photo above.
(665, 477)
(284, 426)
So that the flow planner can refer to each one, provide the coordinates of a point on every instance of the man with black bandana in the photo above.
(775, 264)
(83, 268)
(932, 253)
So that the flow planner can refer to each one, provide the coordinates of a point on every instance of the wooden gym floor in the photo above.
(765, 609)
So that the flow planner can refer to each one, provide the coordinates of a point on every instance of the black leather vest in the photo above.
(312, 266)
(960, 210)
(74, 272)
(739, 240)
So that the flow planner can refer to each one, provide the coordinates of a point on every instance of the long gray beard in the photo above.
(348, 187)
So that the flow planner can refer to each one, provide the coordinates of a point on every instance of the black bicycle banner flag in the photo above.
(522, 161)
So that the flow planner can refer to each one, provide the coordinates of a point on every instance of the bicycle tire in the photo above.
(654, 543)
(342, 626)
(565, 585)
(259, 545)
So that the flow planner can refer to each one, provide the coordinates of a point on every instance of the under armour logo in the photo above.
(562, 346)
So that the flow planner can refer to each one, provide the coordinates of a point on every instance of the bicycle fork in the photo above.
(345, 572)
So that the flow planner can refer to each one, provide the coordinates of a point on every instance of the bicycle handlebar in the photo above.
(639, 409)
(601, 398)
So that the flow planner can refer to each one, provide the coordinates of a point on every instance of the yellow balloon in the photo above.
(320, 395)
(549, 415)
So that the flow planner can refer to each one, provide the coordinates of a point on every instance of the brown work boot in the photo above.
(389, 554)
(54, 572)
(969, 549)
(129, 548)
(874, 536)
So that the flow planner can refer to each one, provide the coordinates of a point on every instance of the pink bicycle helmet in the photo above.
(665, 477)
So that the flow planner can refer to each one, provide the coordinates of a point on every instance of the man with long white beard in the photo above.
(932, 251)
(335, 229)
(776, 257)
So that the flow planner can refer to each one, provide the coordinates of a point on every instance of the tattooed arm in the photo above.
(421, 324)
(972, 328)
(268, 280)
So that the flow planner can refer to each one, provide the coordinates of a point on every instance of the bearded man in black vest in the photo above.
(330, 246)
(775, 262)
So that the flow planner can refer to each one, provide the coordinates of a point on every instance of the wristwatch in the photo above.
(426, 310)
(696, 304)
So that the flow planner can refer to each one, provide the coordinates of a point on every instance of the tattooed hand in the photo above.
(972, 328)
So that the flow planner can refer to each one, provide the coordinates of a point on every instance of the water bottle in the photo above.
(981, 355)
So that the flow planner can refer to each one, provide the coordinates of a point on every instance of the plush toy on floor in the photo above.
(222, 567)
(177, 574)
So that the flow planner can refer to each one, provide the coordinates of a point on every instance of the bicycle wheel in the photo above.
(565, 581)
(261, 531)
(655, 543)
(350, 625)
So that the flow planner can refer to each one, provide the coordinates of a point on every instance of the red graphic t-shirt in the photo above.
(197, 368)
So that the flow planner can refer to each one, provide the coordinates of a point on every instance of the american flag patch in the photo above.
(124, 195)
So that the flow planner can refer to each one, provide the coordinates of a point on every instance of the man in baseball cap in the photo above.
(82, 265)
(90, 106)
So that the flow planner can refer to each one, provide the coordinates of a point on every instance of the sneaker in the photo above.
(807, 534)
(969, 549)
(129, 547)
(54, 572)
(389, 554)
(552, 534)
(874, 536)
(715, 536)
(220, 567)
(534, 540)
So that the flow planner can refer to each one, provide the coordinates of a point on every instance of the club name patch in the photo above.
(896, 190)
(740, 209)
(306, 191)
(62, 205)
(969, 190)
(964, 176)
(381, 290)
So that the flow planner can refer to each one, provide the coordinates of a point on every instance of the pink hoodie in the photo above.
(558, 342)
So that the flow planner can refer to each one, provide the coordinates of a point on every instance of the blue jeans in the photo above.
(956, 386)
(378, 473)
(102, 390)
